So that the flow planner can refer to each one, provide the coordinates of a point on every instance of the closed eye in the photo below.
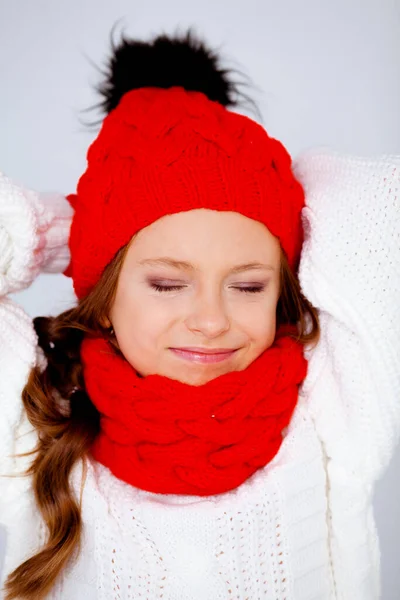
(166, 288)
(173, 288)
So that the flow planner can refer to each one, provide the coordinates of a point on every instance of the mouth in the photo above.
(203, 355)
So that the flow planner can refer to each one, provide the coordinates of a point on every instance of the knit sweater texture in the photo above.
(302, 527)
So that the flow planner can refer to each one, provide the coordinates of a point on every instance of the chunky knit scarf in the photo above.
(169, 437)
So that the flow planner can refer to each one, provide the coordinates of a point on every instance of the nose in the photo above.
(208, 315)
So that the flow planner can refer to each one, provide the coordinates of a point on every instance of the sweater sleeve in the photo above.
(34, 232)
(18, 354)
(350, 271)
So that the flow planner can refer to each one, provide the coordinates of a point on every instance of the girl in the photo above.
(209, 420)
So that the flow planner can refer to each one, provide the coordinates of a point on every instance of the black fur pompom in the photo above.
(165, 62)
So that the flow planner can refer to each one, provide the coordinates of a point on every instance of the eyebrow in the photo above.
(181, 264)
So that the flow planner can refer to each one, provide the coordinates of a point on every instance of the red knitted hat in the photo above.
(164, 149)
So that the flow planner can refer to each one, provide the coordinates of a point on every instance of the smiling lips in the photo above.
(204, 355)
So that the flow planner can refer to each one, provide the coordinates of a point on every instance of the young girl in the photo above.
(209, 421)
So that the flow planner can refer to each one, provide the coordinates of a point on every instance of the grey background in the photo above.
(326, 73)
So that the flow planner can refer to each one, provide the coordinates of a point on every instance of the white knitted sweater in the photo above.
(302, 528)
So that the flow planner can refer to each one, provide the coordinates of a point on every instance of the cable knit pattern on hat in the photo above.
(302, 528)
(166, 151)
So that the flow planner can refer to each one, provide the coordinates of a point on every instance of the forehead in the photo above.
(205, 231)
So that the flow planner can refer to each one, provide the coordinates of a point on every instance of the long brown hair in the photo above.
(65, 436)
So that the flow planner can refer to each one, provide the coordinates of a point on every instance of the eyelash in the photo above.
(162, 288)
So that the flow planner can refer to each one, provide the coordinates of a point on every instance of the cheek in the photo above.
(260, 326)
(257, 317)
(138, 338)
(140, 324)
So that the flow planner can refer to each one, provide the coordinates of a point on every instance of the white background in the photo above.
(326, 72)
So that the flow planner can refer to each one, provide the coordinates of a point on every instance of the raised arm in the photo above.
(350, 270)
(34, 232)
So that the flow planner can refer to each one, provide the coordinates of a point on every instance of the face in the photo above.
(197, 295)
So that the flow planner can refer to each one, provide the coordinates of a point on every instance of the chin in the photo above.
(197, 381)
(199, 378)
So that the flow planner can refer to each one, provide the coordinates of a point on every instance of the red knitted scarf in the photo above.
(169, 437)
